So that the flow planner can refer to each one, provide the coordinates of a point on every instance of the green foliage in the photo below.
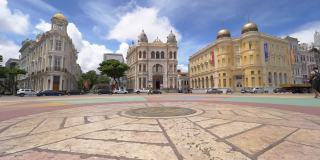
(113, 68)
(93, 78)
(103, 79)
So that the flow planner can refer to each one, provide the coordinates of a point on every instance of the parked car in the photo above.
(214, 91)
(225, 90)
(157, 91)
(75, 92)
(26, 92)
(104, 91)
(258, 90)
(49, 93)
(281, 90)
(120, 91)
(138, 91)
(246, 90)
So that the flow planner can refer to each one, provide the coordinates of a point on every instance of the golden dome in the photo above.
(249, 27)
(60, 16)
(223, 33)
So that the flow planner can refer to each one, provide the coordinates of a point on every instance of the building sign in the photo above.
(212, 61)
(266, 52)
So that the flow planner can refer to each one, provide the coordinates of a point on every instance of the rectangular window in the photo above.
(57, 63)
(144, 68)
(58, 45)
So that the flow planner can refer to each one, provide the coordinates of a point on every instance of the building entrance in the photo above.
(157, 81)
(56, 83)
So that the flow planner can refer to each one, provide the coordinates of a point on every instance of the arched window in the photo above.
(175, 55)
(144, 54)
(162, 55)
(170, 55)
(157, 68)
(157, 55)
(140, 54)
(152, 55)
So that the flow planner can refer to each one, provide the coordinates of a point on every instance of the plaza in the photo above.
(167, 126)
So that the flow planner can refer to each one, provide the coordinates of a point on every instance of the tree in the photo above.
(114, 69)
(11, 73)
(90, 76)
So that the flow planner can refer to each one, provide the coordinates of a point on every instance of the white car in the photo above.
(138, 91)
(258, 90)
(120, 91)
(26, 92)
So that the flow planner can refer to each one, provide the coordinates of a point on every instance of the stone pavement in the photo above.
(163, 131)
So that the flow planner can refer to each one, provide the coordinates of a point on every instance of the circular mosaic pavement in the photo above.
(160, 112)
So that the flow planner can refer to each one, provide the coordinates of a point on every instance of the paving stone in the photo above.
(31, 141)
(147, 137)
(229, 129)
(73, 121)
(45, 155)
(96, 118)
(20, 129)
(212, 122)
(116, 149)
(48, 125)
(192, 142)
(146, 121)
(198, 118)
(138, 127)
(291, 151)
(258, 139)
(306, 136)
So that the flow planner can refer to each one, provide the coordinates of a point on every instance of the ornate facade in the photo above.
(50, 60)
(153, 65)
(252, 60)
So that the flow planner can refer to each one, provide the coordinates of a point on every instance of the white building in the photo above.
(307, 61)
(153, 64)
(295, 60)
(316, 37)
(50, 60)
(115, 56)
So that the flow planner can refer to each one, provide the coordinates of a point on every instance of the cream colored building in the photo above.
(153, 65)
(50, 60)
(254, 59)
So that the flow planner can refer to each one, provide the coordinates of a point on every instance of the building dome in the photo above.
(249, 27)
(59, 16)
(143, 37)
(223, 33)
(171, 38)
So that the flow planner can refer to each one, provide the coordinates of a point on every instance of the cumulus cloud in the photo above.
(305, 33)
(183, 67)
(123, 48)
(131, 24)
(90, 54)
(8, 49)
(43, 26)
(12, 21)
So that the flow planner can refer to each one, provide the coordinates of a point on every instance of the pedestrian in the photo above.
(315, 81)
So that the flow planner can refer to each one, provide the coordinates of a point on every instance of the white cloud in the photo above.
(305, 32)
(131, 24)
(43, 26)
(183, 67)
(123, 48)
(8, 49)
(12, 21)
(90, 54)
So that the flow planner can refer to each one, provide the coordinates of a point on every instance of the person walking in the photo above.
(315, 81)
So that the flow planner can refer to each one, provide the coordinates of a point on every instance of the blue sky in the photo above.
(99, 26)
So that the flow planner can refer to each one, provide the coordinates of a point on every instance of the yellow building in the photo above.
(252, 60)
